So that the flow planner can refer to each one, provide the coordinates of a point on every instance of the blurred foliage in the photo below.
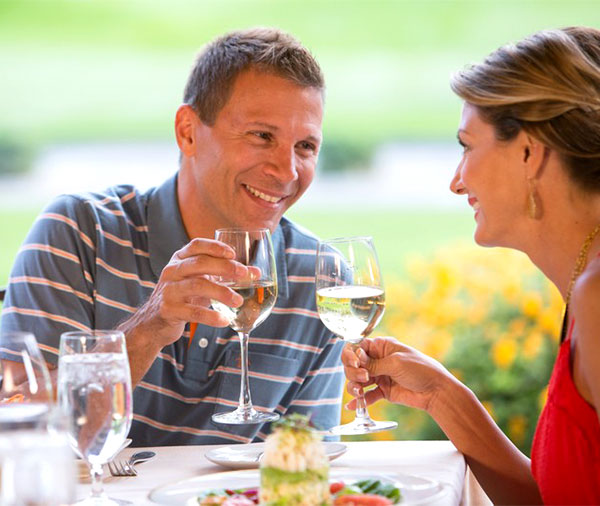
(339, 155)
(79, 70)
(492, 319)
(16, 157)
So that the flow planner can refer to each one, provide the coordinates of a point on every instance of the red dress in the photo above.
(565, 457)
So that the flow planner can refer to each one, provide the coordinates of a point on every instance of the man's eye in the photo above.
(266, 136)
(308, 146)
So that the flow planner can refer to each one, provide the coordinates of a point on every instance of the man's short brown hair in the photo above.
(265, 49)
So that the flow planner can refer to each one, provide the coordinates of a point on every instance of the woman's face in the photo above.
(491, 174)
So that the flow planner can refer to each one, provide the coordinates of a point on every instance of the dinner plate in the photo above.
(246, 456)
(415, 490)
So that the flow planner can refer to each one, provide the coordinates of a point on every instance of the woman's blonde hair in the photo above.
(548, 85)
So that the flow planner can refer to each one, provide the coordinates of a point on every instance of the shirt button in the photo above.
(203, 343)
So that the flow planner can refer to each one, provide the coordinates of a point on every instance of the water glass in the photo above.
(94, 391)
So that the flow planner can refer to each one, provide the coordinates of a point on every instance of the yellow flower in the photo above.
(438, 344)
(532, 345)
(550, 321)
(489, 407)
(504, 352)
(458, 374)
(543, 397)
(531, 304)
(517, 425)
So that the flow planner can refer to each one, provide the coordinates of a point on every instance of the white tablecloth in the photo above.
(438, 460)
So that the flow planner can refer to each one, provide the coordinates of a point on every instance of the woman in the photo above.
(530, 168)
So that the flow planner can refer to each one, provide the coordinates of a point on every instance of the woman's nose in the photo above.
(456, 184)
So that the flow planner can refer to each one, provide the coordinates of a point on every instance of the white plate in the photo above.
(247, 456)
(415, 490)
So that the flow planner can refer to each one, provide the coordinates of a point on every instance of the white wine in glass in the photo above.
(254, 249)
(350, 302)
(94, 391)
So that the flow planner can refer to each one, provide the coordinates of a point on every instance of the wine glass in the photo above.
(254, 249)
(25, 386)
(350, 302)
(36, 462)
(94, 391)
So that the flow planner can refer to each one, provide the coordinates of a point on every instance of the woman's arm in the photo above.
(585, 309)
(404, 375)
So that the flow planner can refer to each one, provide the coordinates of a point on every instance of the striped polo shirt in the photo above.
(91, 259)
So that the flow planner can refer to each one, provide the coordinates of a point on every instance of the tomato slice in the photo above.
(362, 500)
(336, 486)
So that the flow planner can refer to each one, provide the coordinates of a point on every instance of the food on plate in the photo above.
(294, 469)
(369, 492)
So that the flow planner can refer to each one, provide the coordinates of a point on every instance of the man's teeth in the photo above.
(262, 195)
(475, 206)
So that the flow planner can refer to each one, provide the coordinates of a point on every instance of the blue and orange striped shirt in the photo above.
(90, 260)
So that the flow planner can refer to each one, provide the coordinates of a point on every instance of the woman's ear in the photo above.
(185, 123)
(534, 156)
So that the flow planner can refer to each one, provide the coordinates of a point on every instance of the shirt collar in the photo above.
(166, 233)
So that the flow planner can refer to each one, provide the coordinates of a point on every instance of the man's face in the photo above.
(260, 155)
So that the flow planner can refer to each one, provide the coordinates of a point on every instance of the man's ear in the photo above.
(534, 156)
(185, 129)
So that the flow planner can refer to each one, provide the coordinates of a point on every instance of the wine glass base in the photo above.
(244, 417)
(102, 501)
(358, 427)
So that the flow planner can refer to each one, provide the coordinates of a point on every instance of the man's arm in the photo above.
(183, 294)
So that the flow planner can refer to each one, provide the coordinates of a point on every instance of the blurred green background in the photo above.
(113, 71)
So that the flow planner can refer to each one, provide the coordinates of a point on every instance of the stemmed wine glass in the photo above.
(94, 391)
(25, 386)
(350, 302)
(36, 462)
(254, 249)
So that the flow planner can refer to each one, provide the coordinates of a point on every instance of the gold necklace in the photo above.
(581, 261)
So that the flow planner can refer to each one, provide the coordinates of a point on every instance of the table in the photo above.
(438, 460)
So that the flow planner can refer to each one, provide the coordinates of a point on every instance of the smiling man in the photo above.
(249, 132)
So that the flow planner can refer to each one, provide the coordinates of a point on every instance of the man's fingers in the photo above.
(204, 265)
(202, 246)
(201, 291)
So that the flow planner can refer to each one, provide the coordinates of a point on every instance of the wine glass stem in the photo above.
(245, 400)
(96, 474)
(361, 413)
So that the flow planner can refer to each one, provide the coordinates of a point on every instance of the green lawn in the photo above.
(116, 69)
(397, 233)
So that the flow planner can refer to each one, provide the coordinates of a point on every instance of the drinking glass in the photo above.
(350, 302)
(254, 249)
(25, 382)
(94, 391)
(36, 463)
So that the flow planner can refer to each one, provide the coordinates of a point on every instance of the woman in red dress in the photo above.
(530, 169)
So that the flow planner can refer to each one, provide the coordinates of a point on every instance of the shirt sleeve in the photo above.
(320, 396)
(51, 285)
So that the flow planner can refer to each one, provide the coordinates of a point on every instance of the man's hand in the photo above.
(402, 374)
(183, 294)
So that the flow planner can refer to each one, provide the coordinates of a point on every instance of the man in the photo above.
(249, 133)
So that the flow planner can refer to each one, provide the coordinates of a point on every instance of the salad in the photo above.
(367, 492)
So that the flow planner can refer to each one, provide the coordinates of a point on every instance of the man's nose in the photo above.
(284, 165)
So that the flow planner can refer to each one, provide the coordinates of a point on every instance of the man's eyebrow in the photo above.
(262, 124)
(311, 138)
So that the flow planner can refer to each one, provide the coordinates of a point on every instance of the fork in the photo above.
(125, 467)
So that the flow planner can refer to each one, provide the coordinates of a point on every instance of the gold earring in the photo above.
(534, 204)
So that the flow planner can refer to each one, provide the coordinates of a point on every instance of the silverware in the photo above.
(125, 467)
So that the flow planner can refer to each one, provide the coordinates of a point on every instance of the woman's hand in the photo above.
(402, 374)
